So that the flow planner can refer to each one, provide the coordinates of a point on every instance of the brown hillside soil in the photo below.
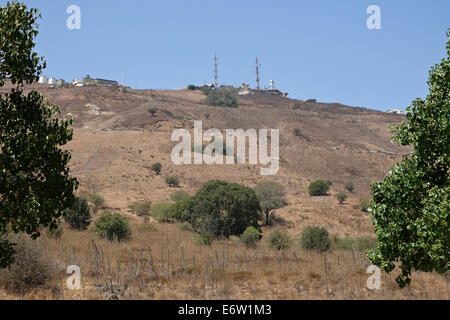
(116, 141)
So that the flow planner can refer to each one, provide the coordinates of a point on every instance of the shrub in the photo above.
(365, 243)
(180, 195)
(157, 167)
(204, 238)
(318, 188)
(141, 208)
(364, 204)
(173, 181)
(297, 132)
(279, 240)
(112, 226)
(222, 209)
(152, 111)
(222, 98)
(162, 212)
(30, 269)
(191, 87)
(341, 197)
(78, 216)
(315, 238)
(357, 244)
(97, 200)
(349, 186)
(342, 244)
(207, 115)
(250, 237)
(329, 183)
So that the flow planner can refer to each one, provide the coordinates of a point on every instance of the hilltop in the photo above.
(116, 140)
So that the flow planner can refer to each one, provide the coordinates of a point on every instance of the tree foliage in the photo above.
(271, 196)
(78, 216)
(318, 188)
(35, 185)
(112, 226)
(222, 209)
(411, 206)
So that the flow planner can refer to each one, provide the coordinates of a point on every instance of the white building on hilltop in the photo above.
(395, 111)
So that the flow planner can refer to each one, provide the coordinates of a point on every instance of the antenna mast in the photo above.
(257, 74)
(216, 72)
(124, 78)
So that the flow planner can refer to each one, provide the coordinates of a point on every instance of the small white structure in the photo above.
(52, 81)
(395, 111)
(60, 82)
(43, 80)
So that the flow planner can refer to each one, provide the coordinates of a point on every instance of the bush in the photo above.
(173, 181)
(112, 226)
(207, 115)
(162, 212)
(297, 132)
(157, 167)
(250, 237)
(329, 183)
(222, 98)
(341, 197)
(78, 216)
(204, 239)
(364, 204)
(222, 209)
(315, 238)
(152, 111)
(318, 188)
(279, 240)
(97, 200)
(141, 208)
(191, 87)
(180, 195)
(30, 268)
(349, 186)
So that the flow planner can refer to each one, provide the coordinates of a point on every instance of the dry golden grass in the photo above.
(162, 262)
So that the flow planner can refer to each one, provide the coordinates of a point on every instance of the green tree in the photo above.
(271, 197)
(315, 238)
(141, 208)
(223, 209)
(35, 185)
(157, 167)
(279, 240)
(112, 226)
(162, 212)
(318, 188)
(411, 206)
(222, 97)
(78, 216)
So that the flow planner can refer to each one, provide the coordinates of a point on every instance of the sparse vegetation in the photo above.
(78, 216)
(279, 240)
(162, 212)
(364, 204)
(250, 237)
(55, 233)
(156, 168)
(222, 97)
(112, 226)
(97, 200)
(341, 197)
(318, 188)
(349, 186)
(152, 111)
(357, 244)
(315, 238)
(29, 270)
(204, 238)
(180, 195)
(141, 208)
(173, 181)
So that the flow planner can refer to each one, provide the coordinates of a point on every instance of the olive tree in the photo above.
(271, 197)
(35, 185)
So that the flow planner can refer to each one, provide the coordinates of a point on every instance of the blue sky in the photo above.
(312, 49)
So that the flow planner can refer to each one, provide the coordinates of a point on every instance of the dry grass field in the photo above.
(116, 141)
